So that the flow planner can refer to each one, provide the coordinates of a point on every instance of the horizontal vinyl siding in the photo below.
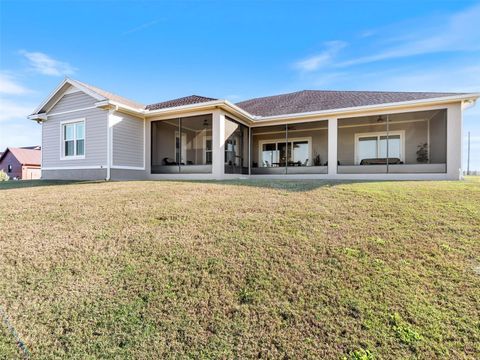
(128, 139)
(95, 139)
(68, 102)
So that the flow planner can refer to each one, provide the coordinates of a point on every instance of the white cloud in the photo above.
(451, 34)
(46, 65)
(322, 59)
(141, 27)
(8, 85)
(448, 34)
(10, 110)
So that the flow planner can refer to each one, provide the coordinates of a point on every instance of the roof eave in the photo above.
(431, 101)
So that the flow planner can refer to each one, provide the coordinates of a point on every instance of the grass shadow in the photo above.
(290, 185)
(20, 184)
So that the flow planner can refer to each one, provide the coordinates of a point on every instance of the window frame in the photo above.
(62, 139)
(378, 135)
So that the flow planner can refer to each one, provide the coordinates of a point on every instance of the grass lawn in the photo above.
(279, 269)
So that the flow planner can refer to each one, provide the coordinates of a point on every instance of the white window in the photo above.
(73, 139)
(374, 146)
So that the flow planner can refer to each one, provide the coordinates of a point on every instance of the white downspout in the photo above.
(109, 142)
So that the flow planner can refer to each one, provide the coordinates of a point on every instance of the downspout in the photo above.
(110, 142)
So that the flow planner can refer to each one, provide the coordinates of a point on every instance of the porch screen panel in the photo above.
(308, 148)
(196, 144)
(236, 147)
(362, 145)
(165, 146)
(269, 150)
(417, 142)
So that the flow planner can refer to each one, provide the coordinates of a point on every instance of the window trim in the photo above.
(62, 140)
(283, 140)
(378, 134)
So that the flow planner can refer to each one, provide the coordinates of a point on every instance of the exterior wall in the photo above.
(31, 172)
(9, 159)
(454, 141)
(75, 174)
(128, 141)
(124, 174)
(76, 100)
(96, 123)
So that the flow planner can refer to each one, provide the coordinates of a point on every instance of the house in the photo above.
(21, 163)
(89, 133)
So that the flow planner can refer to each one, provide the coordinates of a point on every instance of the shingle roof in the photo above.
(291, 103)
(187, 100)
(112, 96)
(25, 156)
(318, 100)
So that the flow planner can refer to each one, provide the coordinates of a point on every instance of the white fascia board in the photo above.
(37, 117)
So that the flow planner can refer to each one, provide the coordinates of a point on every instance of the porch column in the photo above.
(454, 141)
(218, 144)
(332, 146)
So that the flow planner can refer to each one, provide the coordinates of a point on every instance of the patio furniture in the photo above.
(381, 161)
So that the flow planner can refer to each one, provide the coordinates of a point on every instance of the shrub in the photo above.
(3, 176)
(403, 330)
(359, 354)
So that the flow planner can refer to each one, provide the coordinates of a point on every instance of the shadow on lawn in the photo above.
(20, 184)
(280, 184)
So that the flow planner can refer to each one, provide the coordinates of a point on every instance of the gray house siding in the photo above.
(72, 174)
(96, 121)
(77, 100)
(128, 141)
(124, 174)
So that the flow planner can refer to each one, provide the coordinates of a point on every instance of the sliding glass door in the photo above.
(290, 149)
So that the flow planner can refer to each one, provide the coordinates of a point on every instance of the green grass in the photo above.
(272, 269)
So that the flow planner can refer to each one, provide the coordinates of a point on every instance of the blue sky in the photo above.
(151, 51)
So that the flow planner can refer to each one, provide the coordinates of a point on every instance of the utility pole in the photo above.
(468, 155)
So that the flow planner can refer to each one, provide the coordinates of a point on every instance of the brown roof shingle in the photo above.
(187, 100)
(318, 100)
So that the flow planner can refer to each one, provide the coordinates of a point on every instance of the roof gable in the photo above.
(24, 156)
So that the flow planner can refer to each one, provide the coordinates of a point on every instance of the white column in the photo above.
(454, 141)
(147, 156)
(332, 146)
(218, 144)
